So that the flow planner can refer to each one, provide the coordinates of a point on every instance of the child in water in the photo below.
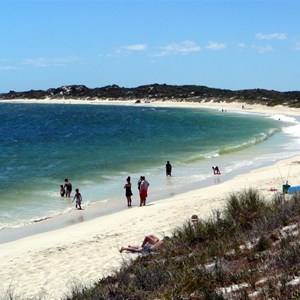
(62, 191)
(78, 199)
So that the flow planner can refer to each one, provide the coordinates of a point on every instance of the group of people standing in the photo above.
(66, 190)
(143, 185)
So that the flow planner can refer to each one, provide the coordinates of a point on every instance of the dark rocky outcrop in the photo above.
(190, 93)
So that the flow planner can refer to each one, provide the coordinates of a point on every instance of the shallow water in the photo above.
(97, 146)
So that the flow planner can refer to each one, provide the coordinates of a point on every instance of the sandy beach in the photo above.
(50, 264)
(231, 106)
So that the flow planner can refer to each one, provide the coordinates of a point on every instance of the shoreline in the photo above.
(229, 106)
(98, 210)
(48, 264)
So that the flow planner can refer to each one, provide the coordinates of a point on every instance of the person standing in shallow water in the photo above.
(168, 169)
(68, 187)
(128, 191)
(216, 170)
(78, 199)
(62, 191)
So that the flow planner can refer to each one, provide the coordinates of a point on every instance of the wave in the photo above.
(293, 131)
(238, 165)
(284, 118)
(249, 143)
(233, 148)
(18, 223)
(198, 157)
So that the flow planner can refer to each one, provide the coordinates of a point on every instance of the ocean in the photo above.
(97, 146)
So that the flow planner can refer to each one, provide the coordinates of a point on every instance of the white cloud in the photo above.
(128, 49)
(65, 60)
(271, 36)
(263, 49)
(215, 46)
(241, 45)
(136, 47)
(297, 45)
(7, 68)
(47, 62)
(37, 62)
(183, 48)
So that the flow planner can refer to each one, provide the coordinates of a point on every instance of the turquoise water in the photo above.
(97, 146)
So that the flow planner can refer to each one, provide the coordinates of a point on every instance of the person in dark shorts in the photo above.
(216, 170)
(68, 187)
(128, 191)
(78, 199)
(168, 168)
(62, 191)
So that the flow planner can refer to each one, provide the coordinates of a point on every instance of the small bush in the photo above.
(263, 244)
(244, 208)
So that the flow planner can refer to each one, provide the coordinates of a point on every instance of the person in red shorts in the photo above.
(143, 191)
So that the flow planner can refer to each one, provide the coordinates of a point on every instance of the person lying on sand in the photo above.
(150, 243)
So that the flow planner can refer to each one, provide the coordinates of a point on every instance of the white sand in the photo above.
(50, 264)
(232, 106)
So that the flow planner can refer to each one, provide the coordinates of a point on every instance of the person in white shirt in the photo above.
(143, 191)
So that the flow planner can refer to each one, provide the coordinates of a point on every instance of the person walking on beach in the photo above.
(128, 191)
(168, 169)
(143, 191)
(62, 191)
(78, 199)
(68, 187)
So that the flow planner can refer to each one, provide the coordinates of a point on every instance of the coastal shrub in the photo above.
(291, 255)
(295, 295)
(191, 234)
(263, 244)
(245, 207)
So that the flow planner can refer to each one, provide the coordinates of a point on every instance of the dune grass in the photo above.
(250, 250)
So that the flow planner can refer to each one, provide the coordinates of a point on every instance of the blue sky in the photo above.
(234, 45)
